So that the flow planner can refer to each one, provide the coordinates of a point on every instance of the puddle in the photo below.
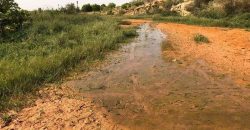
(143, 90)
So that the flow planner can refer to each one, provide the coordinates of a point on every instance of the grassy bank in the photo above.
(53, 44)
(239, 21)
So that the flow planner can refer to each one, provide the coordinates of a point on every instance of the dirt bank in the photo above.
(228, 51)
(60, 107)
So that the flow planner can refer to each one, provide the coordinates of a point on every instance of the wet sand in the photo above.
(146, 90)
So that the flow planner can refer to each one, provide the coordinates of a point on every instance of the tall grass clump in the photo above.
(52, 45)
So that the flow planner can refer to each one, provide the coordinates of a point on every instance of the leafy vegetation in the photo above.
(12, 18)
(134, 3)
(87, 8)
(53, 44)
(199, 38)
(98, 8)
(111, 5)
(90, 8)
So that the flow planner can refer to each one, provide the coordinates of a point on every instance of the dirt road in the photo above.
(162, 81)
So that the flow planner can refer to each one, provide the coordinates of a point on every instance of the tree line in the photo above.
(72, 8)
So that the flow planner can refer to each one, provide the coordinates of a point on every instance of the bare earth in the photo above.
(228, 52)
(61, 108)
(162, 80)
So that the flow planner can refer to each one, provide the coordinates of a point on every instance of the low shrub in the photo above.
(211, 13)
(199, 38)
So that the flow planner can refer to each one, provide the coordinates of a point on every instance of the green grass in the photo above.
(199, 38)
(225, 22)
(50, 47)
(142, 16)
(237, 21)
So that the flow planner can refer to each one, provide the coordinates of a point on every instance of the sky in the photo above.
(44, 4)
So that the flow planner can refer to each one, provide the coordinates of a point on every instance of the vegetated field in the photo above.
(54, 43)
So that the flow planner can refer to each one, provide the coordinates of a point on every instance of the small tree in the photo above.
(111, 5)
(96, 7)
(126, 6)
(103, 7)
(87, 8)
(40, 10)
(11, 16)
(70, 8)
(137, 2)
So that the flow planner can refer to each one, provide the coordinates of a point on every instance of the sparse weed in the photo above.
(6, 118)
(167, 46)
(199, 38)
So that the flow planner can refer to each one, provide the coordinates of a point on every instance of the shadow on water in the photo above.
(144, 91)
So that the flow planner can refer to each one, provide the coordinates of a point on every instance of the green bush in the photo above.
(126, 6)
(137, 3)
(211, 13)
(111, 5)
(96, 7)
(199, 38)
(70, 8)
(243, 16)
(87, 8)
(12, 18)
(169, 13)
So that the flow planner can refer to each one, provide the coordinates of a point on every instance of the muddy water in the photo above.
(141, 89)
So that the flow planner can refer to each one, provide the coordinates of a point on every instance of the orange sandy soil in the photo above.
(227, 53)
(60, 108)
